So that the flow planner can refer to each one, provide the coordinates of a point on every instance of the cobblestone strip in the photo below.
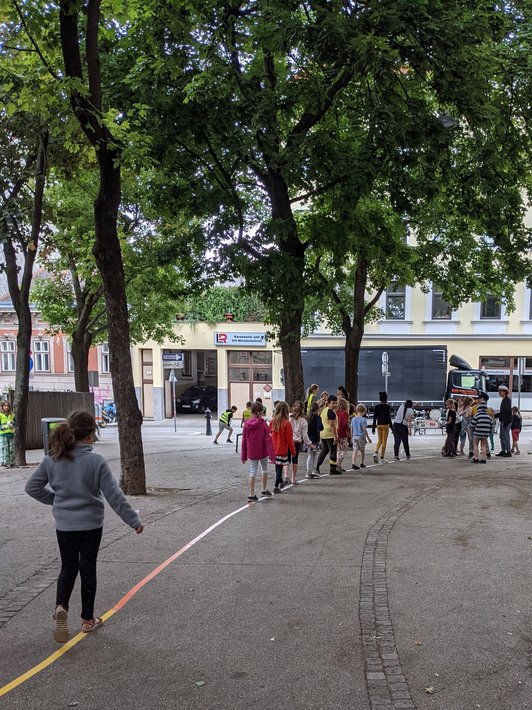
(17, 598)
(385, 681)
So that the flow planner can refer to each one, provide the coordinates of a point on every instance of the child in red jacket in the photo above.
(257, 446)
(283, 442)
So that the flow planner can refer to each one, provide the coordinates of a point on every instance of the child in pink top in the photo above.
(257, 446)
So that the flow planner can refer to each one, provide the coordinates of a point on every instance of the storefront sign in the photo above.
(254, 340)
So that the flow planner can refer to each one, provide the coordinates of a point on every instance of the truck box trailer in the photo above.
(418, 373)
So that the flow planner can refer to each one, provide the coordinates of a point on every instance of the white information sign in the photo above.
(255, 340)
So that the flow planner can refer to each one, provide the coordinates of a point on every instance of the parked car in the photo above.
(197, 399)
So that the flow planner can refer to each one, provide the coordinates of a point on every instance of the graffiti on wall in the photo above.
(102, 394)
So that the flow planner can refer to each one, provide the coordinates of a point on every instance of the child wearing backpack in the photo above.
(516, 426)
(314, 428)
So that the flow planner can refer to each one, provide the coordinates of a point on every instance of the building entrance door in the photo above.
(249, 372)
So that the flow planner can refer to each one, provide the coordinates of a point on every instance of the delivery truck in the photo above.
(418, 373)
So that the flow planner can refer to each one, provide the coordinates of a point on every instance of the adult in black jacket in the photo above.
(382, 420)
(505, 418)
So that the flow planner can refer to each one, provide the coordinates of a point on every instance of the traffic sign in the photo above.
(171, 360)
(267, 388)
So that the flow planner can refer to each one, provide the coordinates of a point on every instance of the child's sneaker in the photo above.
(61, 625)
(356, 468)
(266, 494)
(362, 465)
(252, 499)
(277, 490)
(375, 457)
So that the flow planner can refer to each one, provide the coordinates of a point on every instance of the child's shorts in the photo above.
(515, 434)
(359, 443)
(222, 426)
(282, 460)
(254, 465)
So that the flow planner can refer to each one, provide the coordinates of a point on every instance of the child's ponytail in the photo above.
(68, 434)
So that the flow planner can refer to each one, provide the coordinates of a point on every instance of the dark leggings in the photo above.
(79, 552)
(400, 436)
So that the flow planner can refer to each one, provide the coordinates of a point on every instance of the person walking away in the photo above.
(329, 436)
(246, 414)
(402, 428)
(264, 410)
(74, 481)
(516, 426)
(300, 434)
(322, 401)
(382, 421)
(257, 447)
(341, 392)
(314, 429)
(359, 434)
(465, 429)
(458, 408)
(225, 423)
(342, 423)
(449, 447)
(481, 427)
(310, 397)
(505, 419)
(491, 438)
(283, 442)
(7, 435)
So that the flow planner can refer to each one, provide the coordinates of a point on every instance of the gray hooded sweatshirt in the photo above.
(75, 489)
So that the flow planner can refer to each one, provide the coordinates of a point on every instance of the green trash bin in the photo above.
(48, 424)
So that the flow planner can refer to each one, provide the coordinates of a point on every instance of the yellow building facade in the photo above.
(242, 364)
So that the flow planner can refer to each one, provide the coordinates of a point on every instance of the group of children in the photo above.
(466, 420)
(322, 424)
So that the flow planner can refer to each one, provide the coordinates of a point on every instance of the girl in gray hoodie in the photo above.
(74, 481)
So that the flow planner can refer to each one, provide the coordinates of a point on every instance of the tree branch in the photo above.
(34, 43)
(92, 53)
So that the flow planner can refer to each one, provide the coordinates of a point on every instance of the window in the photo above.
(395, 302)
(238, 357)
(104, 350)
(41, 349)
(441, 310)
(70, 359)
(261, 358)
(494, 363)
(490, 308)
(8, 355)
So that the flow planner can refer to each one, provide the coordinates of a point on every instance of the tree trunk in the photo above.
(81, 344)
(109, 259)
(290, 340)
(22, 379)
(289, 288)
(20, 295)
(87, 107)
(354, 330)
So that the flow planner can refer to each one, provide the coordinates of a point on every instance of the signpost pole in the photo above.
(172, 378)
(385, 370)
(520, 373)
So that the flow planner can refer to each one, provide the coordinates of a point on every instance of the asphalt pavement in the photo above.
(404, 585)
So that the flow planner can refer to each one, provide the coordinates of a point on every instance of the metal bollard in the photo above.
(208, 428)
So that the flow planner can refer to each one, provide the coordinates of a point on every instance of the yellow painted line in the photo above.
(121, 603)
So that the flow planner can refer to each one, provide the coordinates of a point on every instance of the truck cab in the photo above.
(463, 380)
